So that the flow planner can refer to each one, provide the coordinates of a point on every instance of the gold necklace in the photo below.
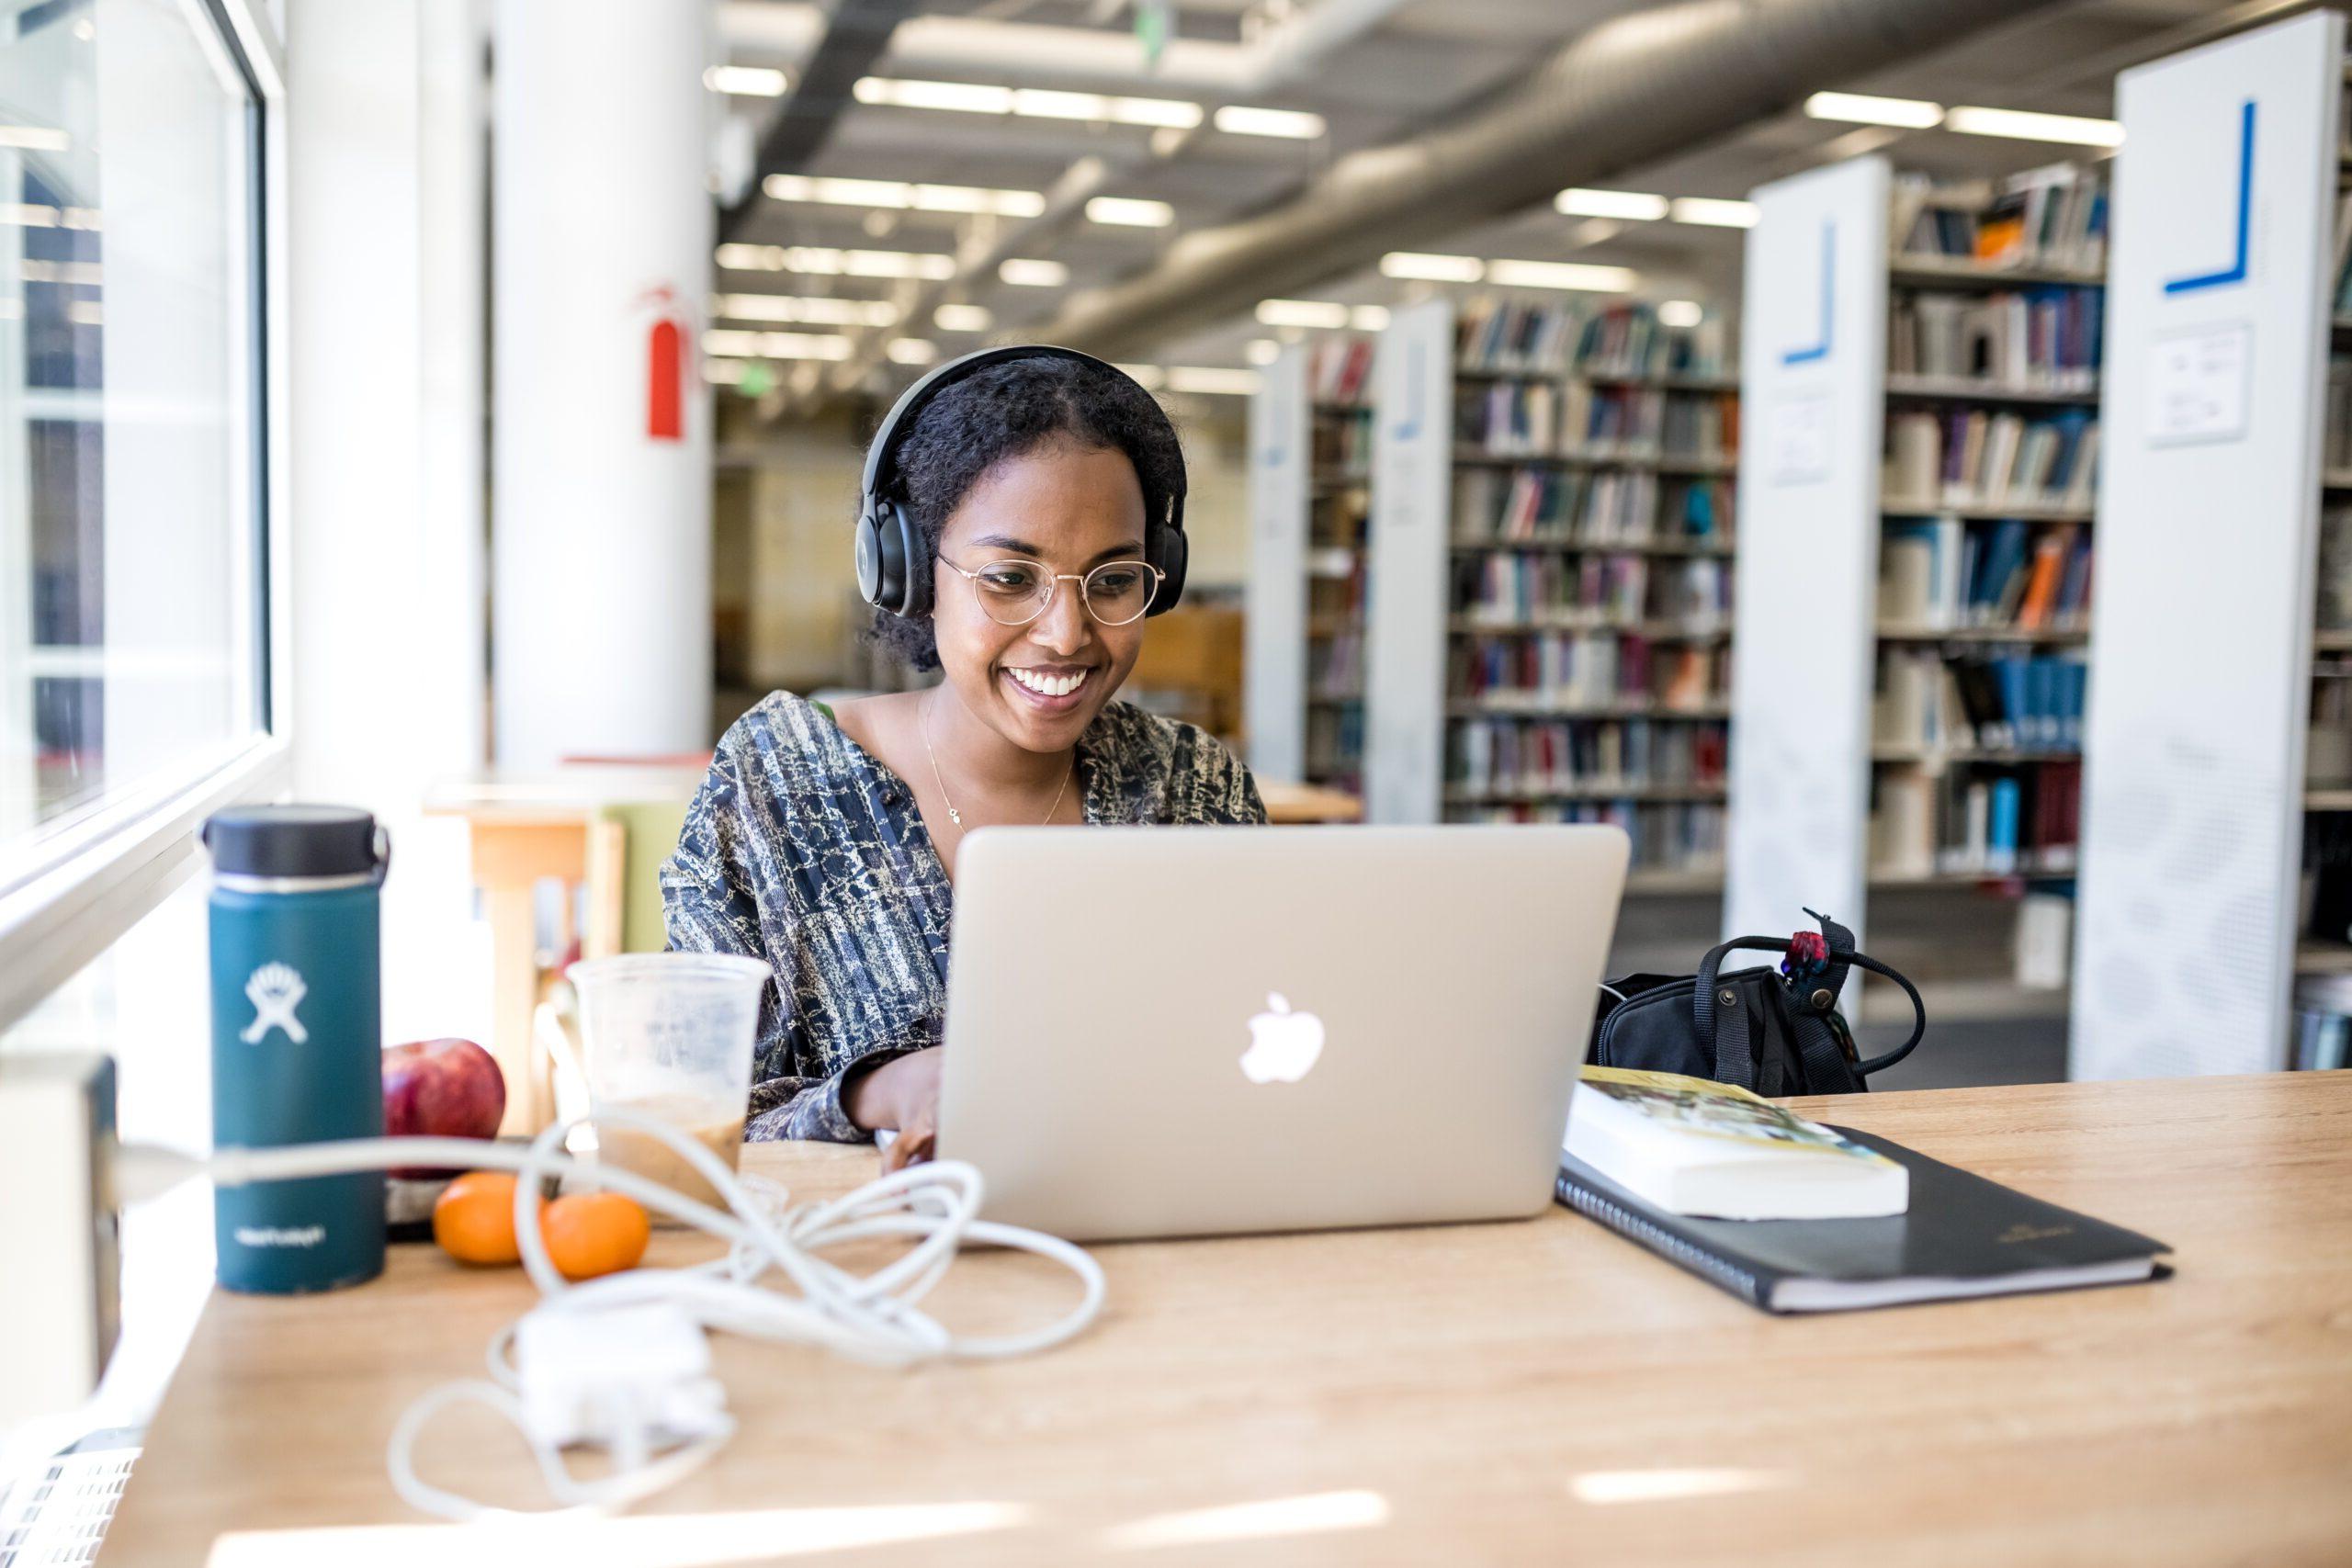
(956, 816)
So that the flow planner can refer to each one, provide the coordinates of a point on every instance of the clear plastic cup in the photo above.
(669, 1035)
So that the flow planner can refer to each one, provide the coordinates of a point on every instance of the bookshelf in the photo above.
(2219, 748)
(1310, 457)
(1588, 579)
(1919, 509)
(1338, 558)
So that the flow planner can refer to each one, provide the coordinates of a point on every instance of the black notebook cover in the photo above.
(1964, 1236)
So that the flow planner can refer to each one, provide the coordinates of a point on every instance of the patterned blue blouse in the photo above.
(804, 850)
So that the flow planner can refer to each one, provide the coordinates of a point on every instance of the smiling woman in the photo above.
(1024, 519)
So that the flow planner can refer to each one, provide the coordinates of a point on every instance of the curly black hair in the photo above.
(1008, 410)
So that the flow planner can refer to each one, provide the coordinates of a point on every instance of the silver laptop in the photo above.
(1159, 1031)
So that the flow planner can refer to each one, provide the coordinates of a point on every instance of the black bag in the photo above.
(1773, 1033)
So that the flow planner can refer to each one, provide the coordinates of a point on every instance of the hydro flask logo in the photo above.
(276, 991)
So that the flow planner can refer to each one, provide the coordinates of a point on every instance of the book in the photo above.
(1961, 1236)
(1691, 1146)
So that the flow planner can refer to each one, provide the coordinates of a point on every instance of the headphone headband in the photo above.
(881, 456)
(893, 565)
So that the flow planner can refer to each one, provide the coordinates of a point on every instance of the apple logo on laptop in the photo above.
(1283, 1045)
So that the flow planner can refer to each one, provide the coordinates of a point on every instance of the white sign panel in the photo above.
(1275, 602)
(1812, 361)
(1412, 483)
(2208, 494)
(2196, 384)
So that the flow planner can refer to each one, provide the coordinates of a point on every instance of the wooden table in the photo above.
(525, 828)
(1537, 1392)
(1291, 803)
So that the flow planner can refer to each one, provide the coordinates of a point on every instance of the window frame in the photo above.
(89, 879)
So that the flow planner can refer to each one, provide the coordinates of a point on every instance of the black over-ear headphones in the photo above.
(893, 566)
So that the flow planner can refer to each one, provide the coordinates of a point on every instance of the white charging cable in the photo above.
(661, 1427)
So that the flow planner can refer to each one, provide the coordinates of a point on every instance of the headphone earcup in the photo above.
(913, 596)
(1169, 556)
(872, 572)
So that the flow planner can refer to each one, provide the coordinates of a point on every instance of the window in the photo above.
(134, 668)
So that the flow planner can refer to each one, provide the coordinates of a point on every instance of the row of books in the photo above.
(1338, 369)
(1666, 837)
(1941, 705)
(1587, 669)
(1519, 336)
(1335, 666)
(1974, 823)
(1339, 598)
(2335, 436)
(2334, 607)
(1341, 441)
(1534, 756)
(1944, 574)
(1335, 746)
(2053, 217)
(2031, 340)
(1596, 589)
(1534, 418)
(1972, 457)
(1544, 504)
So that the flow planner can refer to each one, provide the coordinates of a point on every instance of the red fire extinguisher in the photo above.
(666, 371)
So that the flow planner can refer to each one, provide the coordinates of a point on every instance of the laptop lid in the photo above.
(1172, 1032)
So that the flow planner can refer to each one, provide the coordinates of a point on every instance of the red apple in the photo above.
(441, 1089)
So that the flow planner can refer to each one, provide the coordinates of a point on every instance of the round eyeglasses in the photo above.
(1014, 592)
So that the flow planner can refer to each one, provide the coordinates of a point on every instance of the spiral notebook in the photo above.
(1963, 1236)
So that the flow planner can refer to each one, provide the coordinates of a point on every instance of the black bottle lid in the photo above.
(292, 840)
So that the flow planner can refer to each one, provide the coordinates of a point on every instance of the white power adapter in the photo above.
(630, 1379)
(60, 1314)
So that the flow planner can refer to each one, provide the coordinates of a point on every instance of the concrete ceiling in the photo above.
(1423, 62)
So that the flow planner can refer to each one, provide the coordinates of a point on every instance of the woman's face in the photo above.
(1065, 508)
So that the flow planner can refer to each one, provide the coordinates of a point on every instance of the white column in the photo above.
(2201, 603)
(385, 590)
(1274, 668)
(1812, 381)
(601, 523)
(1412, 499)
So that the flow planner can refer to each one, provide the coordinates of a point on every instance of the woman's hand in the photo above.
(901, 1094)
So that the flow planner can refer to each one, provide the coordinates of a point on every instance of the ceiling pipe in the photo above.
(856, 33)
(963, 48)
(1628, 92)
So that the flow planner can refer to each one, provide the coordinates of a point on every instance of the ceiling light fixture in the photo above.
(1640, 206)
(962, 318)
(1034, 102)
(1435, 268)
(1713, 212)
(1578, 275)
(1130, 213)
(1261, 351)
(1861, 108)
(1680, 313)
(1369, 318)
(34, 137)
(1327, 315)
(912, 351)
(1212, 380)
(746, 80)
(1240, 119)
(824, 311)
(2020, 125)
(774, 345)
(1033, 272)
(1150, 377)
(900, 196)
(822, 261)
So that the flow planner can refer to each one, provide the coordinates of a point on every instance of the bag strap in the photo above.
(1727, 1036)
(1918, 1016)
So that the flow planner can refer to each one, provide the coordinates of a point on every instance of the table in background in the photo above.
(1521, 1391)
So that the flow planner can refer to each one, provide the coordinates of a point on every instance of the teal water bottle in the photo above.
(297, 1037)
